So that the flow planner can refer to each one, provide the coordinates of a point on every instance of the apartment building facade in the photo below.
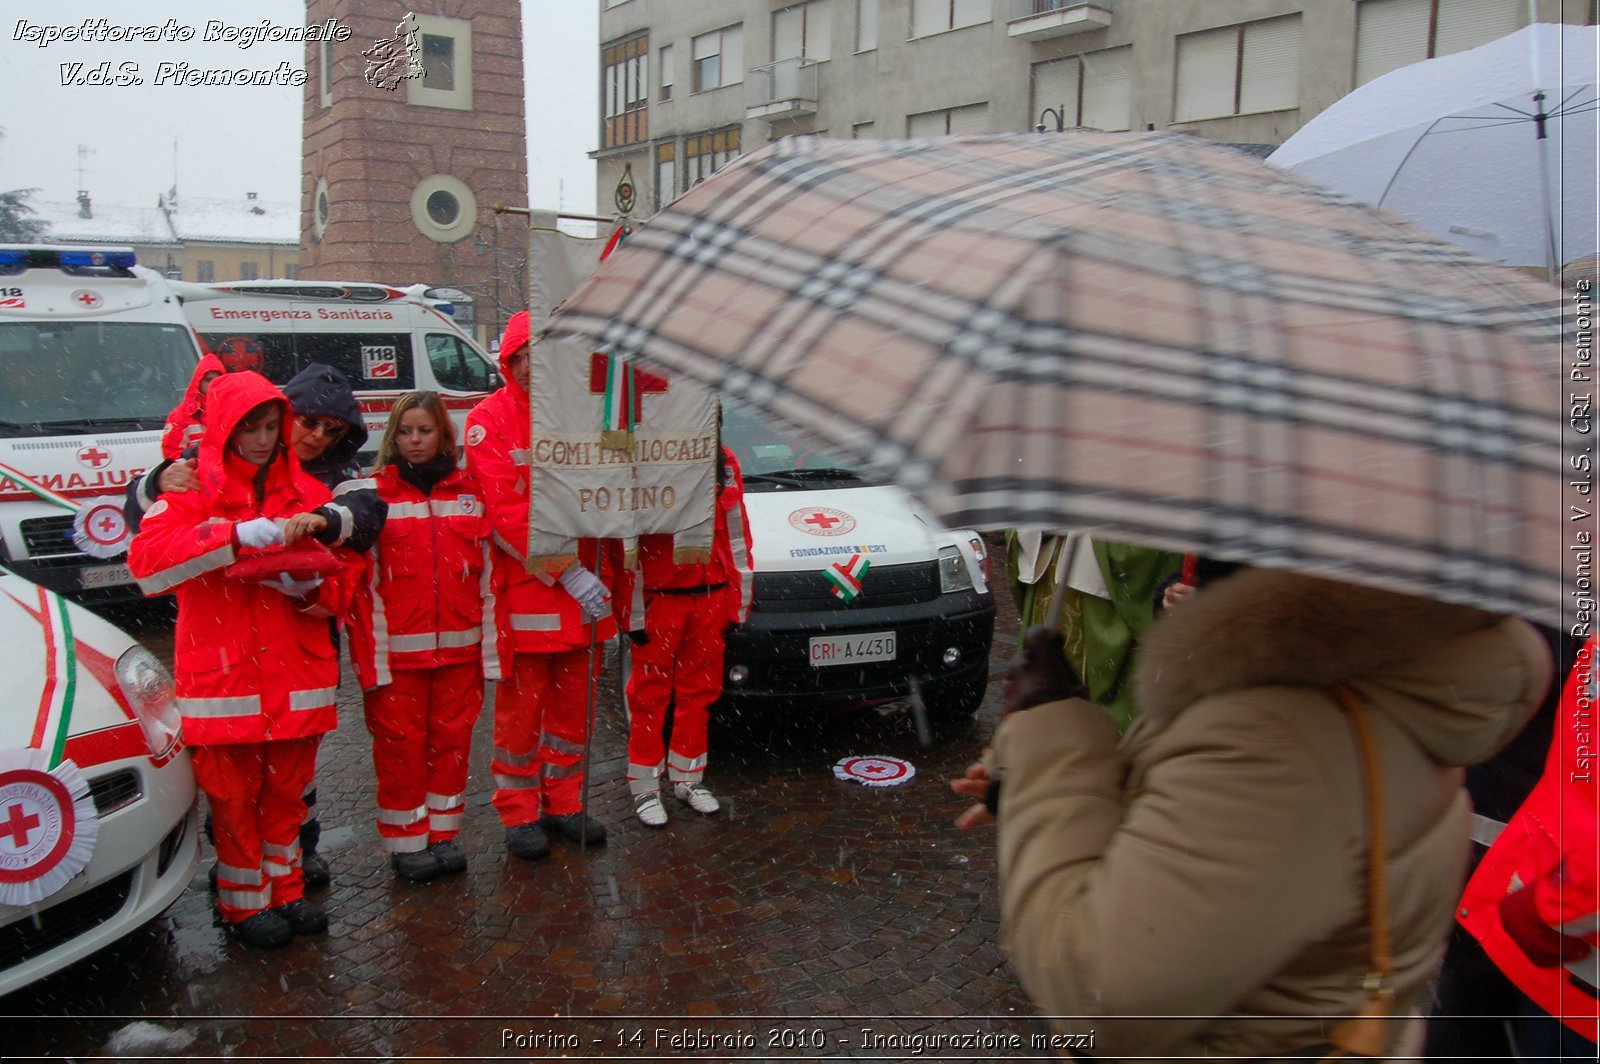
(687, 86)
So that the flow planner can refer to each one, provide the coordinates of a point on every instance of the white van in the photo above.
(386, 341)
(94, 353)
(924, 614)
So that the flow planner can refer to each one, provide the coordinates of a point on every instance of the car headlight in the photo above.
(147, 685)
(953, 572)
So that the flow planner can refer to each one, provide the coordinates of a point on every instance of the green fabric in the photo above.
(1098, 635)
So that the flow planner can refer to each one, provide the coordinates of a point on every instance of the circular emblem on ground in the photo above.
(822, 521)
(48, 825)
(99, 529)
(874, 771)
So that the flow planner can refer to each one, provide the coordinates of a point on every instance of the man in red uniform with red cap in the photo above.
(543, 624)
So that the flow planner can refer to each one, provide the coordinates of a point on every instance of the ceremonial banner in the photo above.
(616, 452)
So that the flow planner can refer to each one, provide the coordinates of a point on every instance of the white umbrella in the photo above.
(1493, 149)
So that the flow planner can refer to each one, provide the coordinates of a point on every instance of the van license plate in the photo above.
(848, 650)
(105, 576)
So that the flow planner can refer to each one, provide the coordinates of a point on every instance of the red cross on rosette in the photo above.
(48, 826)
(874, 770)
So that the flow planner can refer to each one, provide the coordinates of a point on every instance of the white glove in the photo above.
(258, 532)
(288, 585)
(591, 594)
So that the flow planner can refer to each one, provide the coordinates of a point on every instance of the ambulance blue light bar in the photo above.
(122, 259)
(45, 258)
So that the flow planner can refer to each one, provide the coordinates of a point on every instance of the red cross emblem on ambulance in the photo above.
(86, 299)
(94, 457)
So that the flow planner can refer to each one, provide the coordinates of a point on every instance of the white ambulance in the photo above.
(94, 354)
(860, 596)
(386, 341)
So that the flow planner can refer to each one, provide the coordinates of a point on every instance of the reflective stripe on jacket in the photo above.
(422, 602)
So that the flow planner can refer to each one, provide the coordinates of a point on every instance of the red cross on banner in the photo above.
(624, 388)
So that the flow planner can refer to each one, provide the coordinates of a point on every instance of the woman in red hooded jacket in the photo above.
(184, 426)
(255, 666)
(416, 637)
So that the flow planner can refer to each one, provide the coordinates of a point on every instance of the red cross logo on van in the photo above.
(94, 457)
(821, 521)
(86, 299)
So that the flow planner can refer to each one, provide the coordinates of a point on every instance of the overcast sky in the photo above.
(234, 140)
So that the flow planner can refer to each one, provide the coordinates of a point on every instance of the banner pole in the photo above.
(588, 739)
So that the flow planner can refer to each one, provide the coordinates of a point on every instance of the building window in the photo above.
(804, 31)
(861, 131)
(446, 64)
(326, 74)
(443, 208)
(666, 173)
(668, 75)
(625, 70)
(205, 270)
(439, 62)
(866, 25)
(1394, 33)
(705, 154)
(718, 59)
(940, 16)
(1093, 90)
(970, 119)
(1239, 70)
(248, 271)
(291, 270)
(320, 209)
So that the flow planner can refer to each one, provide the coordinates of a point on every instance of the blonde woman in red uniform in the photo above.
(417, 637)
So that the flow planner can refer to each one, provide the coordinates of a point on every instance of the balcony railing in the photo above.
(1039, 20)
(785, 89)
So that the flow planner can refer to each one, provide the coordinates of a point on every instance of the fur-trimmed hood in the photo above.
(1454, 669)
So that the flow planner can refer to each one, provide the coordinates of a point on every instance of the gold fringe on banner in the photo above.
(616, 439)
(691, 555)
(549, 563)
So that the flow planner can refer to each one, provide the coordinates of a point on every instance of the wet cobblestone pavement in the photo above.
(805, 920)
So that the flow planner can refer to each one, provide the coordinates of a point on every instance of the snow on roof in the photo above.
(109, 224)
(230, 221)
(250, 221)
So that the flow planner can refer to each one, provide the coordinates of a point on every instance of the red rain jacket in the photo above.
(1534, 901)
(183, 426)
(423, 601)
(251, 664)
(730, 563)
(534, 613)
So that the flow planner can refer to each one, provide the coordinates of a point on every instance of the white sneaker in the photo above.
(652, 814)
(696, 797)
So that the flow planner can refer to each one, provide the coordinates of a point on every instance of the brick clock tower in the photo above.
(402, 164)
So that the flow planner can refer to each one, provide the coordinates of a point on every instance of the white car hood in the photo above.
(40, 659)
(798, 531)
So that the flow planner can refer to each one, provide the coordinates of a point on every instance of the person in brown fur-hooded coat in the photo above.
(1200, 888)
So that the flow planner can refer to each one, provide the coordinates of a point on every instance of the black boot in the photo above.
(528, 842)
(304, 917)
(418, 867)
(574, 828)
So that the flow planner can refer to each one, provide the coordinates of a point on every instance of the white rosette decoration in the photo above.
(99, 528)
(874, 770)
(48, 826)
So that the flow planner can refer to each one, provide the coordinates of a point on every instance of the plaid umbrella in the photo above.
(1148, 336)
